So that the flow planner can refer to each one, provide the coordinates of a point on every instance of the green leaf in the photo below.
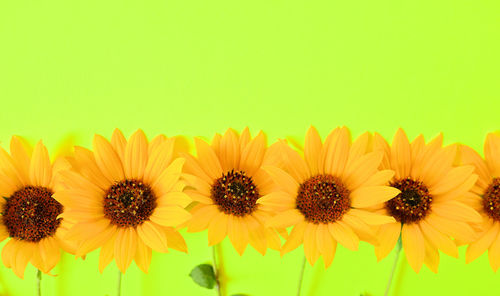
(204, 276)
(240, 294)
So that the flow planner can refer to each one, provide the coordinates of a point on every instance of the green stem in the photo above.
(301, 276)
(399, 246)
(119, 284)
(39, 283)
(216, 270)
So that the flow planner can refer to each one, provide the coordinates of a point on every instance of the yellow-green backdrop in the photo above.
(69, 69)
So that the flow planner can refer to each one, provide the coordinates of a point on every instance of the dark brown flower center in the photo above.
(323, 199)
(491, 200)
(30, 214)
(129, 203)
(235, 193)
(412, 204)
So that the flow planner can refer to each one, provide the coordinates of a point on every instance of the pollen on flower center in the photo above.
(323, 199)
(129, 203)
(491, 200)
(412, 204)
(31, 214)
(235, 193)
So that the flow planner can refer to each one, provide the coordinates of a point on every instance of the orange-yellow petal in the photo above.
(310, 243)
(175, 240)
(326, 244)
(207, 159)
(478, 247)
(400, 155)
(413, 244)
(217, 229)
(238, 234)
(253, 154)
(312, 150)
(438, 239)
(285, 219)
(136, 156)
(367, 196)
(295, 238)
(107, 159)
(344, 235)
(492, 153)
(170, 216)
(40, 167)
(143, 256)
(388, 236)
(153, 236)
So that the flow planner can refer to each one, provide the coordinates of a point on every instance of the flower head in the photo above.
(31, 217)
(327, 194)
(488, 188)
(227, 182)
(125, 198)
(429, 211)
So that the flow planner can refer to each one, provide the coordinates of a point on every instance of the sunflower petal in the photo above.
(229, 150)
(310, 243)
(494, 254)
(283, 179)
(326, 244)
(388, 236)
(478, 247)
(256, 234)
(217, 229)
(152, 236)
(295, 238)
(107, 253)
(344, 235)
(253, 154)
(175, 240)
(40, 167)
(438, 239)
(367, 196)
(125, 247)
(238, 234)
(119, 143)
(207, 159)
(335, 151)
(21, 158)
(143, 256)
(201, 217)
(400, 155)
(413, 244)
(170, 216)
(107, 159)
(492, 153)
(312, 150)
(136, 156)
(285, 219)
(159, 159)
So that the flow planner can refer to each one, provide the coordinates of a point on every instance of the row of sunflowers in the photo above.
(128, 198)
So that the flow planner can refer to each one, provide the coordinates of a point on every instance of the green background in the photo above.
(69, 69)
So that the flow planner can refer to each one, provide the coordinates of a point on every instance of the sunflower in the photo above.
(326, 194)
(30, 214)
(227, 182)
(429, 211)
(488, 188)
(125, 198)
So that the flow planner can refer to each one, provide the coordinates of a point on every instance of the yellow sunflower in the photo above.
(125, 198)
(31, 217)
(325, 195)
(227, 182)
(488, 188)
(429, 211)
